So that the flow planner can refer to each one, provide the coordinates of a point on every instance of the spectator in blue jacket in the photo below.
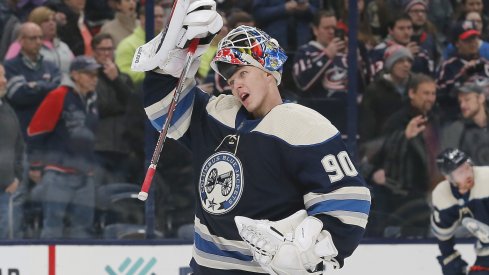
(64, 127)
(30, 78)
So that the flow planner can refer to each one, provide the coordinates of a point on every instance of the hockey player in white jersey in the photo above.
(461, 200)
(277, 191)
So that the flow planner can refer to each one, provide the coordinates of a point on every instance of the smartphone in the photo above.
(416, 39)
(339, 33)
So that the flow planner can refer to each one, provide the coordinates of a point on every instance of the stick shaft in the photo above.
(143, 194)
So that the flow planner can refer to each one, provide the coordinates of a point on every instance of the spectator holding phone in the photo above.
(424, 32)
(320, 66)
(400, 28)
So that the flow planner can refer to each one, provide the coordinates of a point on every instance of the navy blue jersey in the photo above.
(317, 75)
(450, 207)
(422, 63)
(267, 168)
(451, 74)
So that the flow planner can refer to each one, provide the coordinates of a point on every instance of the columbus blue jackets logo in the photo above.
(220, 183)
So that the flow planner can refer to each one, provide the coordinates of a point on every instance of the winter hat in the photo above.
(408, 4)
(463, 30)
(394, 53)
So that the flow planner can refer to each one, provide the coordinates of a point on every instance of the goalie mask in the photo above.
(249, 46)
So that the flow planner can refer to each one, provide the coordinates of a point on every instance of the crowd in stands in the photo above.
(72, 151)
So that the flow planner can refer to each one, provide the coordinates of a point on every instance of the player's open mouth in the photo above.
(244, 96)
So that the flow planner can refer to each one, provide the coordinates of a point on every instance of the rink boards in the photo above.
(172, 259)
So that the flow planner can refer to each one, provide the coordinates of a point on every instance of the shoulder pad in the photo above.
(297, 125)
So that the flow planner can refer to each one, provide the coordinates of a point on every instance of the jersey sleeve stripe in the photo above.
(160, 108)
(182, 113)
(344, 210)
(443, 233)
(358, 219)
(211, 248)
(345, 193)
(220, 253)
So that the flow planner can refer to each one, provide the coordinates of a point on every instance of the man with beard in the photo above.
(469, 133)
(466, 64)
(462, 197)
(404, 168)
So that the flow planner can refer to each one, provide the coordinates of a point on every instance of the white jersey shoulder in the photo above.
(224, 108)
(443, 197)
(296, 125)
(481, 184)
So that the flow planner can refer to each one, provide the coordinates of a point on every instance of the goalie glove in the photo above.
(295, 245)
(167, 51)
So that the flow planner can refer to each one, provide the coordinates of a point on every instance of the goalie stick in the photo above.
(143, 194)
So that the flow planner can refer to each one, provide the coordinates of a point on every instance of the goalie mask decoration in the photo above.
(247, 45)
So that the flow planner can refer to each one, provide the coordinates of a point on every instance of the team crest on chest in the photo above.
(220, 183)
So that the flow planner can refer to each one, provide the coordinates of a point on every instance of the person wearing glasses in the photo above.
(30, 78)
(424, 32)
(114, 91)
(52, 49)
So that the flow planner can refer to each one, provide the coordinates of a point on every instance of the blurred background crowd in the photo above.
(72, 142)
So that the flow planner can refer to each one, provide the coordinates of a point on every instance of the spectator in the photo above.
(365, 34)
(475, 17)
(286, 20)
(467, 6)
(114, 94)
(53, 49)
(72, 26)
(64, 127)
(465, 64)
(12, 14)
(98, 12)
(320, 66)
(11, 166)
(440, 13)
(405, 168)
(386, 94)
(30, 78)
(469, 133)
(424, 32)
(400, 32)
(377, 13)
(126, 49)
(124, 22)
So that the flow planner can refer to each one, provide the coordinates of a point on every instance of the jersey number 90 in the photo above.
(338, 166)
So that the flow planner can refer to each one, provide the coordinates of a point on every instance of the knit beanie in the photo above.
(393, 54)
(408, 4)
